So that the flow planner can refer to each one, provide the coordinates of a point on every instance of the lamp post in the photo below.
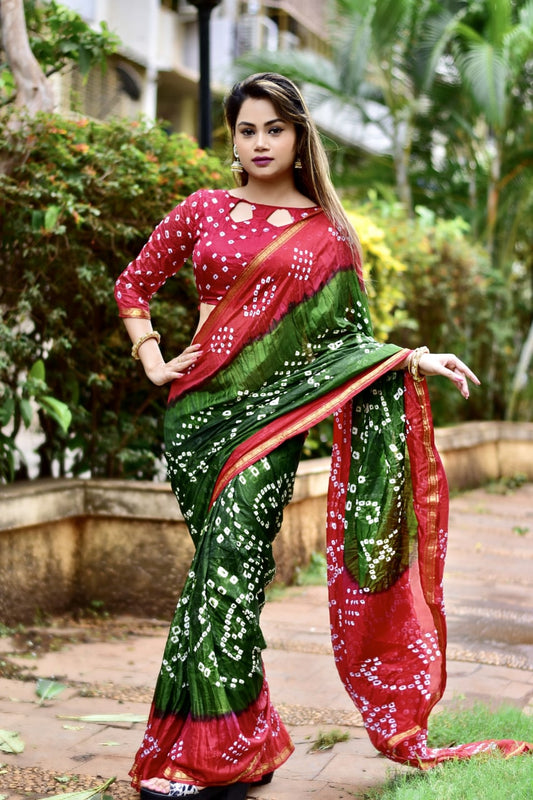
(205, 8)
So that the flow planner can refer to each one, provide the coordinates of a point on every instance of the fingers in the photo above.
(177, 367)
(451, 367)
(186, 359)
(459, 367)
(165, 372)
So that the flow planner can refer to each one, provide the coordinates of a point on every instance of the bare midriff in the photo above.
(205, 310)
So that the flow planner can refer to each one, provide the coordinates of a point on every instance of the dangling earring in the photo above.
(298, 164)
(236, 166)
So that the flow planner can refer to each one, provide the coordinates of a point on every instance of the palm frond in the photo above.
(301, 66)
(435, 39)
(499, 20)
(485, 72)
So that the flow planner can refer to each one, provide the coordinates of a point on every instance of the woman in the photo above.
(284, 340)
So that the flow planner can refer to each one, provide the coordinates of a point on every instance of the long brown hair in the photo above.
(313, 179)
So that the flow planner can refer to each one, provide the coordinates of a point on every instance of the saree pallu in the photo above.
(284, 349)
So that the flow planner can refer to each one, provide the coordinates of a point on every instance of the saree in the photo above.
(287, 346)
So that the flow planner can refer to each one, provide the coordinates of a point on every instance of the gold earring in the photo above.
(236, 166)
(298, 164)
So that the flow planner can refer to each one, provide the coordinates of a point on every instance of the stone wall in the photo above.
(68, 544)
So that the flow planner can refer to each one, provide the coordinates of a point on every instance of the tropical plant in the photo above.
(449, 83)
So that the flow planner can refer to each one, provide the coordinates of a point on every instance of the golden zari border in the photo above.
(432, 492)
(401, 737)
(134, 313)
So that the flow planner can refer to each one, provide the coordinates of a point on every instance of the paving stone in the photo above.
(490, 658)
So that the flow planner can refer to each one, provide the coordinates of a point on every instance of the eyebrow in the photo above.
(252, 124)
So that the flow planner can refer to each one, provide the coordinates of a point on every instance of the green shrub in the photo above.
(79, 200)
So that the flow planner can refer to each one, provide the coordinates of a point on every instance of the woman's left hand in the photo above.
(449, 366)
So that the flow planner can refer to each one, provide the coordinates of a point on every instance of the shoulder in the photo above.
(194, 207)
(203, 198)
(204, 202)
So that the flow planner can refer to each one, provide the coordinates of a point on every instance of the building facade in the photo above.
(156, 71)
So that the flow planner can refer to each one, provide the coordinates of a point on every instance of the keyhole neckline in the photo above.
(238, 200)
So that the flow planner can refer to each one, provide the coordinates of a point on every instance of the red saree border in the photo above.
(431, 498)
(252, 773)
(299, 421)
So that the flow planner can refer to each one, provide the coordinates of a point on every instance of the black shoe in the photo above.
(264, 780)
(207, 793)
(235, 791)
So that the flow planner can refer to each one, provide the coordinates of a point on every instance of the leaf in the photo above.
(26, 412)
(85, 794)
(37, 371)
(57, 410)
(104, 719)
(47, 690)
(36, 220)
(50, 217)
(10, 742)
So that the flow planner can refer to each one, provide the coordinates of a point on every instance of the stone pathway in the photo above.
(110, 667)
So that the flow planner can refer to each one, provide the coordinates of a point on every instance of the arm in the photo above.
(170, 244)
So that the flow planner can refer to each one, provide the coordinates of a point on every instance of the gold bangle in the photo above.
(150, 335)
(413, 363)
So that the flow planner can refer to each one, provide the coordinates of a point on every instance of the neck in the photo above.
(278, 192)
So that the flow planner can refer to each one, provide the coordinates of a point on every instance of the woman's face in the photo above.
(266, 144)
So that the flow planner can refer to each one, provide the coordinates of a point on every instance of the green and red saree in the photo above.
(284, 348)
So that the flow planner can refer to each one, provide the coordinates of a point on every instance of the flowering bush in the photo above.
(79, 200)
(450, 295)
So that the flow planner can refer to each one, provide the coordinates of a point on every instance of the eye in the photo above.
(276, 130)
(247, 131)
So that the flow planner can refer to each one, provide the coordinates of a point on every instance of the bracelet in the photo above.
(150, 335)
(413, 363)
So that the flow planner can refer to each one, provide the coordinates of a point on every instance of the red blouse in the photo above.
(202, 227)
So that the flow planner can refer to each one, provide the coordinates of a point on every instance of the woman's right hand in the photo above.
(162, 372)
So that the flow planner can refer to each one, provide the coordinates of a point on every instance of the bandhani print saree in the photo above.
(285, 348)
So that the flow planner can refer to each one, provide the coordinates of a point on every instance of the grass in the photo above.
(479, 778)
(327, 740)
(507, 484)
(314, 574)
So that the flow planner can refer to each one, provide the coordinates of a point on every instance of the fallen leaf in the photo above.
(47, 690)
(104, 719)
(10, 742)
(86, 794)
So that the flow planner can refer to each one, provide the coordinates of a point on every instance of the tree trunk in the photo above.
(520, 378)
(33, 90)
(402, 136)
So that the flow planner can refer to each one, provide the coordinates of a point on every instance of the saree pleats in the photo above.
(281, 354)
(211, 719)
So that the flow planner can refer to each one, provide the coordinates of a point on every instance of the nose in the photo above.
(261, 142)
